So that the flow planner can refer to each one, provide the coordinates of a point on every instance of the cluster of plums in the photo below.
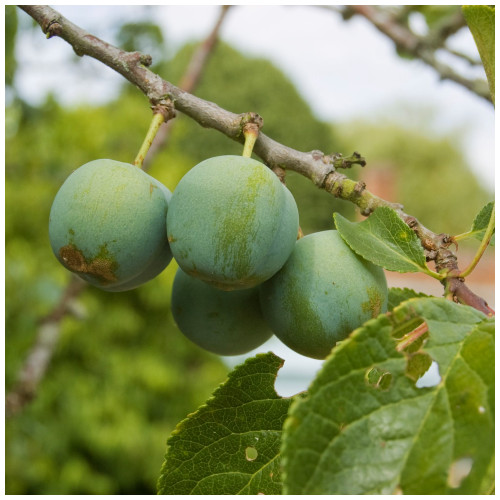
(232, 227)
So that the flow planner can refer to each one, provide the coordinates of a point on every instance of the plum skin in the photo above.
(107, 225)
(322, 293)
(227, 323)
(231, 222)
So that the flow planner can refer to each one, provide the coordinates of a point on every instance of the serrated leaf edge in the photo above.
(231, 375)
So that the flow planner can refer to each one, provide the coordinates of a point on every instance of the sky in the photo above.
(344, 70)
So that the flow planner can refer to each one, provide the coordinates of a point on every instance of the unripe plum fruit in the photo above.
(322, 293)
(222, 322)
(231, 222)
(107, 224)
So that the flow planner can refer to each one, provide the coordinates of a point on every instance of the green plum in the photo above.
(231, 222)
(219, 321)
(107, 224)
(322, 293)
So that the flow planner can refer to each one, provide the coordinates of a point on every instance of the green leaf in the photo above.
(481, 21)
(437, 15)
(367, 426)
(230, 445)
(384, 239)
(398, 295)
(481, 223)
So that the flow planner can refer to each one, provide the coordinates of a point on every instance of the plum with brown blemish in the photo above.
(107, 224)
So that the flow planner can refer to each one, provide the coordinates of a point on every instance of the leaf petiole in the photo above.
(484, 244)
(432, 273)
(464, 236)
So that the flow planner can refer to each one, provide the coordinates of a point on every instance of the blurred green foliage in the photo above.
(437, 15)
(122, 375)
(143, 36)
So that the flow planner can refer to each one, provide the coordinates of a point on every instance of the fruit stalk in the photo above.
(158, 119)
(251, 133)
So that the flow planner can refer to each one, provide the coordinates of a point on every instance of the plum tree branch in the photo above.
(313, 165)
(321, 169)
